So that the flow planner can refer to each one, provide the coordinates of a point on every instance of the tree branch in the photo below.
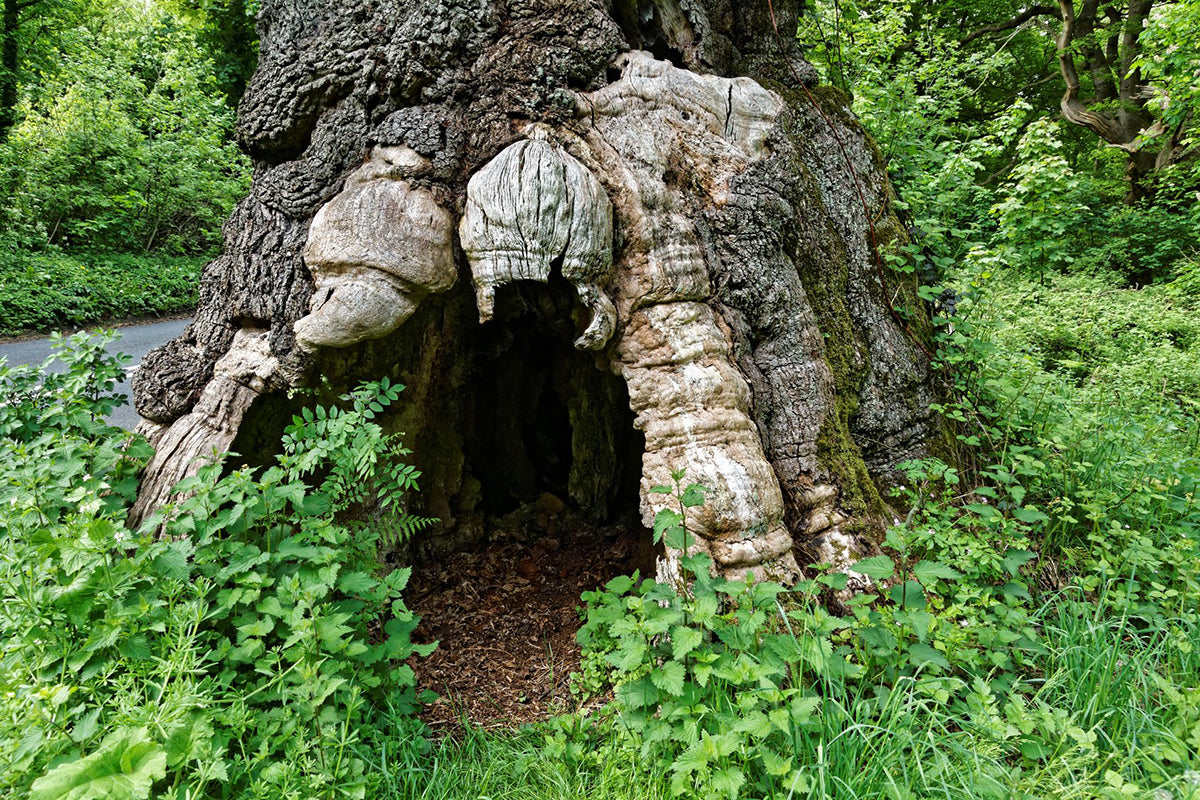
(1015, 22)
(1072, 107)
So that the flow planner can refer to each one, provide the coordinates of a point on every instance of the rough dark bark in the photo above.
(674, 263)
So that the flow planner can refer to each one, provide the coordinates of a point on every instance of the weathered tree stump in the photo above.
(598, 240)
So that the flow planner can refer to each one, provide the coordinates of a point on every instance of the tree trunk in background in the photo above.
(598, 241)
(10, 64)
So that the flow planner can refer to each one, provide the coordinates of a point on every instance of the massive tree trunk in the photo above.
(598, 240)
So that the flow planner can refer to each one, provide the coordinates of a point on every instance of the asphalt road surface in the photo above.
(136, 341)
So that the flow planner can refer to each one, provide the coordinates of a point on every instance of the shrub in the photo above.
(46, 291)
(239, 645)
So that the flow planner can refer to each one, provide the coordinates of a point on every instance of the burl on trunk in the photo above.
(598, 240)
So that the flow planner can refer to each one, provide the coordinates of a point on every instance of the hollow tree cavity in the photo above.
(598, 242)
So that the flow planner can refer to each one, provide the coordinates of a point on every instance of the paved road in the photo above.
(136, 340)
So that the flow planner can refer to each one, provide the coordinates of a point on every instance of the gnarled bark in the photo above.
(663, 261)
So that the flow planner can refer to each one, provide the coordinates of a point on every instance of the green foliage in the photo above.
(704, 683)
(1029, 628)
(240, 644)
(568, 758)
(124, 767)
(225, 30)
(125, 146)
(1170, 56)
(1037, 212)
(46, 291)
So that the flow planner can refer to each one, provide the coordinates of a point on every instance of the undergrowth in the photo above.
(1034, 624)
(47, 291)
(242, 643)
(1030, 630)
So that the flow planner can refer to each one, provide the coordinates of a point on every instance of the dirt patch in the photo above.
(505, 614)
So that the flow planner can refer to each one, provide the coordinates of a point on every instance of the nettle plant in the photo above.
(241, 644)
(705, 682)
(735, 686)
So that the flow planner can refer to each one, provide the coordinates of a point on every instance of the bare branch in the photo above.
(1015, 22)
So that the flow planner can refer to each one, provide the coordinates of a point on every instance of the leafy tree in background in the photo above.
(1109, 56)
(225, 30)
(966, 108)
(1123, 71)
(29, 38)
(126, 146)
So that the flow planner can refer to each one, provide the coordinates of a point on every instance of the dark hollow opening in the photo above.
(546, 418)
(639, 20)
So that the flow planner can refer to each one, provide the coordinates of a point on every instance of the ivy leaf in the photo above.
(878, 568)
(124, 767)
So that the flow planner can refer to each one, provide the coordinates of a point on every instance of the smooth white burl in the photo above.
(375, 250)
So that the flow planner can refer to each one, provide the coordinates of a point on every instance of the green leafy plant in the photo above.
(704, 683)
(241, 644)
(45, 291)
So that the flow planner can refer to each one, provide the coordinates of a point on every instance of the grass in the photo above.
(515, 766)
(46, 291)
(1102, 693)
(1098, 390)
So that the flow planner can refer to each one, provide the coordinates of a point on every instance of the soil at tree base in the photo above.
(505, 614)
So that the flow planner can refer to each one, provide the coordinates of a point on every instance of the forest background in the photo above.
(1038, 633)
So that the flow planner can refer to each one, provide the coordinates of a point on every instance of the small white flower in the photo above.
(1163, 794)
(1192, 777)
(120, 535)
